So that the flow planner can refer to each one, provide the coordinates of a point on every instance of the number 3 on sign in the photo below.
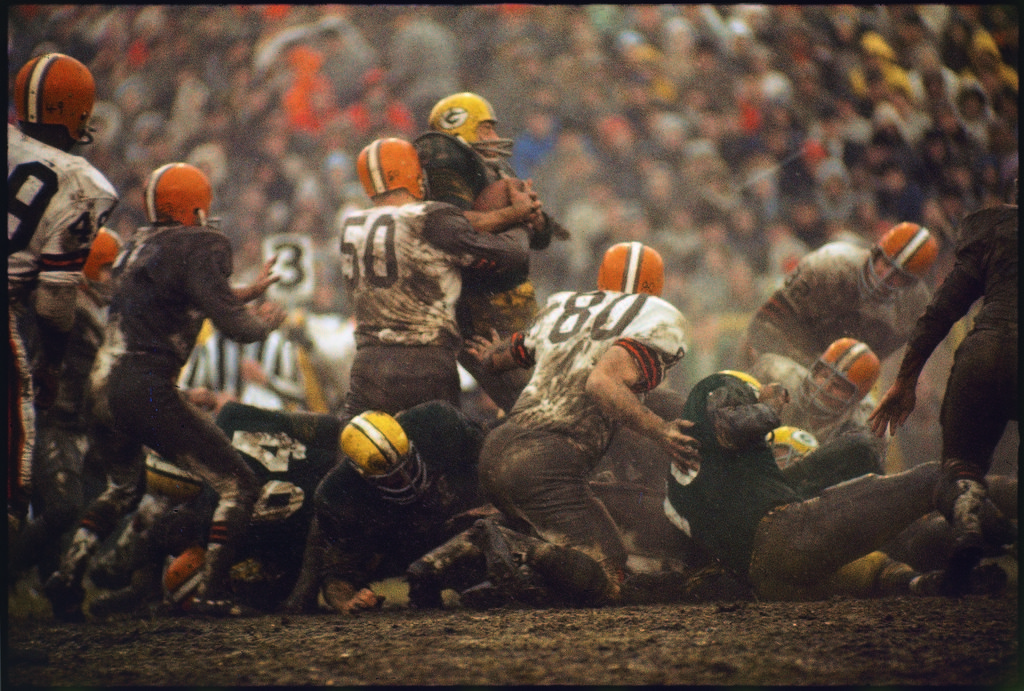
(294, 266)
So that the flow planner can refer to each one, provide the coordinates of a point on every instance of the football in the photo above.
(496, 195)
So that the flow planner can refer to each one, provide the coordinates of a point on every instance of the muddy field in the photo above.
(920, 641)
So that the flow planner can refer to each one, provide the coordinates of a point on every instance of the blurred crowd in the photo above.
(732, 138)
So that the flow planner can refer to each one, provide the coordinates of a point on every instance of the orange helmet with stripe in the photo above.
(631, 267)
(841, 376)
(178, 193)
(390, 164)
(55, 89)
(906, 251)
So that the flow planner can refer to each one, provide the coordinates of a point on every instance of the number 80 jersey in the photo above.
(566, 340)
(56, 203)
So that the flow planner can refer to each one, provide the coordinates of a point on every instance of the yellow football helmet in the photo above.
(167, 479)
(460, 114)
(750, 380)
(790, 444)
(382, 453)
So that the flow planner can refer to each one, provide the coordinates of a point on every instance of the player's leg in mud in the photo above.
(664, 565)
(122, 459)
(458, 564)
(205, 450)
(849, 456)
(131, 570)
(58, 497)
(980, 398)
(303, 598)
(800, 544)
(539, 480)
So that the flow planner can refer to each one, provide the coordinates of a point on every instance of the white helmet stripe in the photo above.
(847, 359)
(34, 91)
(631, 279)
(378, 439)
(373, 166)
(910, 249)
(150, 192)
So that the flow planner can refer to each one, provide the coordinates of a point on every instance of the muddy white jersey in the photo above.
(566, 340)
(402, 266)
(56, 203)
(822, 301)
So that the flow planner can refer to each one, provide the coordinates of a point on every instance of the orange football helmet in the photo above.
(55, 89)
(104, 250)
(631, 267)
(841, 376)
(907, 251)
(178, 193)
(390, 164)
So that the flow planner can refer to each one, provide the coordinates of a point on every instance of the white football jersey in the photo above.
(821, 301)
(566, 340)
(402, 266)
(57, 203)
(403, 288)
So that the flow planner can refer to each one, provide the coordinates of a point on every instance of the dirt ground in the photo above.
(900, 641)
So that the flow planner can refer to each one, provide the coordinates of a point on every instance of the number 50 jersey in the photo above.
(402, 266)
(566, 340)
(56, 203)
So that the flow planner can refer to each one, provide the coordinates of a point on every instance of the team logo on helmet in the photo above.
(453, 118)
(631, 267)
(790, 444)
